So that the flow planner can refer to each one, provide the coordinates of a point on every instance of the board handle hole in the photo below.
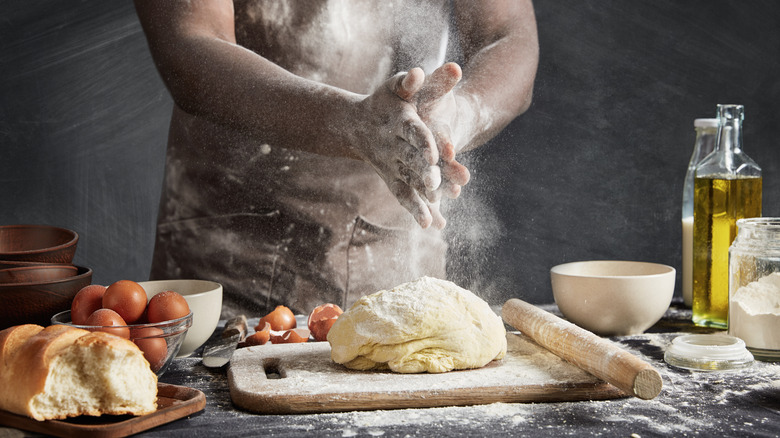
(272, 369)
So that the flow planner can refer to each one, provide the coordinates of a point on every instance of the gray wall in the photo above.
(593, 170)
(83, 126)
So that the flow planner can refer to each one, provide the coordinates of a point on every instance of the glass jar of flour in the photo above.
(754, 286)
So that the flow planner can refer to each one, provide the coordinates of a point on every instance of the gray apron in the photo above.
(276, 226)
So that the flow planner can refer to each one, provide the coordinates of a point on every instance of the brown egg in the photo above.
(256, 338)
(166, 306)
(321, 328)
(86, 301)
(154, 347)
(292, 336)
(127, 298)
(106, 320)
(281, 318)
(321, 319)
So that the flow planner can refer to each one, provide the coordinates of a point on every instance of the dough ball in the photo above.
(427, 325)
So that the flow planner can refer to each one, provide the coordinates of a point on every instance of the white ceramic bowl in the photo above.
(205, 301)
(613, 298)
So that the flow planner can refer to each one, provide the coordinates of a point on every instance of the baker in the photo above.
(312, 141)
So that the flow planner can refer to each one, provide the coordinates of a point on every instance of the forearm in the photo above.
(498, 74)
(211, 77)
(266, 101)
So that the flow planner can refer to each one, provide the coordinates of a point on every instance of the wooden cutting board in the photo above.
(301, 378)
(173, 402)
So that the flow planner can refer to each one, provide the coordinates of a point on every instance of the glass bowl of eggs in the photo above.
(157, 326)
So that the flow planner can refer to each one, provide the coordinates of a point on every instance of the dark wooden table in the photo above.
(733, 403)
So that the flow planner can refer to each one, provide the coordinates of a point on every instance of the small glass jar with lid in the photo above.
(754, 286)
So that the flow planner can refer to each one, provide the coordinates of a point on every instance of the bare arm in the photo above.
(501, 54)
(210, 76)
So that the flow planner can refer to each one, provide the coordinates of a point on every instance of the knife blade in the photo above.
(218, 352)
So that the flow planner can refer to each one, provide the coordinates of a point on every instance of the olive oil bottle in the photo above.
(727, 187)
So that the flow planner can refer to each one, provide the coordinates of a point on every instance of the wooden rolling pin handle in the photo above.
(596, 355)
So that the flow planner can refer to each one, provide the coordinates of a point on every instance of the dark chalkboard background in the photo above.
(592, 171)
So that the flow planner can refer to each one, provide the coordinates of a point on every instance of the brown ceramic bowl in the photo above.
(37, 243)
(35, 303)
(6, 264)
(37, 274)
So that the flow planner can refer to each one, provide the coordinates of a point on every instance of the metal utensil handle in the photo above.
(235, 325)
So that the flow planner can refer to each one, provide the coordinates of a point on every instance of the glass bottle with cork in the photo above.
(706, 134)
(727, 187)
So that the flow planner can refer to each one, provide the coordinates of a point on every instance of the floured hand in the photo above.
(393, 138)
(415, 154)
(438, 108)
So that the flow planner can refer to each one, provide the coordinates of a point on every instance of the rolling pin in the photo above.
(596, 355)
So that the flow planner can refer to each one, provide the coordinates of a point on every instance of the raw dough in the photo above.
(427, 325)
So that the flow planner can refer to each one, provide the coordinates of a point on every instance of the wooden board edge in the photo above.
(335, 402)
(175, 402)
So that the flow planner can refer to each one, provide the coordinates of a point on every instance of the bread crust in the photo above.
(27, 353)
(12, 338)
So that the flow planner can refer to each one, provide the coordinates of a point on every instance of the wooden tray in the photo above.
(301, 378)
(173, 402)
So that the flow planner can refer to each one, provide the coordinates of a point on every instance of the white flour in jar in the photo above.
(755, 313)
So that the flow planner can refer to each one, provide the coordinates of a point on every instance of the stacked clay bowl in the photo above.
(37, 275)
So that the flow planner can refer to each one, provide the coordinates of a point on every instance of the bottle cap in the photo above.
(705, 123)
(713, 352)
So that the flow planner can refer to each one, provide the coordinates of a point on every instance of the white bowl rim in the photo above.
(214, 285)
(560, 269)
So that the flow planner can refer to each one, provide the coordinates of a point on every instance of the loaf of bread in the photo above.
(61, 371)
